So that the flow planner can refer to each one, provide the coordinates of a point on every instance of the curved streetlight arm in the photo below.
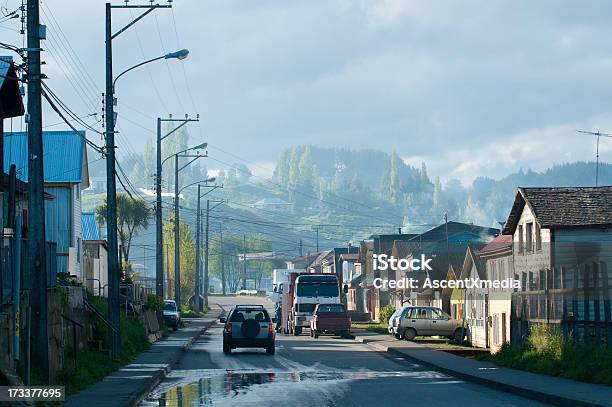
(134, 67)
(202, 181)
(201, 146)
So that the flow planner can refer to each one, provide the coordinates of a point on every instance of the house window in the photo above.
(538, 237)
(521, 245)
(529, 236)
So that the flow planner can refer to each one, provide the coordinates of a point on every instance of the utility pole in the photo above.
(206, 248)
(111, 196)
(111, 188)
(317, 238)
(222, 258)
(177, 247)
(244, 270)
(300, 247)
(36, 278)
(206, 254)
(159, 227)
(198, 303)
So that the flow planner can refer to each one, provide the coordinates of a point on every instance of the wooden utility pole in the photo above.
(36, 277)
(222, 258)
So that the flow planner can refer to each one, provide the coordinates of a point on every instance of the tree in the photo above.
(132, 217)
(281, 171)
(187, 258)
(148, 157)
(394, 179)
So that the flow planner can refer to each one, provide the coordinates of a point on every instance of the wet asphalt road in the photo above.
(328, 371)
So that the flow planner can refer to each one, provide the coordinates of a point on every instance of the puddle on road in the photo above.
(220, 387)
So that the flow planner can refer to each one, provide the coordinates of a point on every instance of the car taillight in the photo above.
(397, 322)
(270, 328)
(228, 328)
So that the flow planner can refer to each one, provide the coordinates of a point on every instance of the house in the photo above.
(475, 299)
(378, 244)
(562, 251)
(66, 175)
(446, 246)
(497, 257)
(95, 256)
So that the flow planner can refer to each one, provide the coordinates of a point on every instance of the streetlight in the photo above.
(111, 191)
(177, 169)
(198, 273)
(159, 233)
(180, 55)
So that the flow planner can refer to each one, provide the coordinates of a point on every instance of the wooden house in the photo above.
(562, 251)
(497, 257)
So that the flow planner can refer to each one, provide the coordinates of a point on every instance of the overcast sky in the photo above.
(472, 88)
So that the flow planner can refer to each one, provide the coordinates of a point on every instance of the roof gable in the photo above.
(65, 156)
(563, 207)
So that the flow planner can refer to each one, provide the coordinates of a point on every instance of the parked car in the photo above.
(330, 319)
(427, 321)
(248, 326)
(172, 316)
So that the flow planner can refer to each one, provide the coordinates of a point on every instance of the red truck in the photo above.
(330, 319)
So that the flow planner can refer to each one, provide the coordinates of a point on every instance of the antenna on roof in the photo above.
(598, 134)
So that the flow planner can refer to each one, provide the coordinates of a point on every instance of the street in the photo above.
(306, 372)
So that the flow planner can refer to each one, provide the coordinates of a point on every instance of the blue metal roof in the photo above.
(64, 155)
(90, 227)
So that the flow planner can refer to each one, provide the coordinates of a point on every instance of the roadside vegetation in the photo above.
(546, 351)
(93, 364)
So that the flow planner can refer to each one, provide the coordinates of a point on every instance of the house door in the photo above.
(503, 324)
(486, 321)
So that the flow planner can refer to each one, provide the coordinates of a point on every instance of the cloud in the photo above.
(471, 86)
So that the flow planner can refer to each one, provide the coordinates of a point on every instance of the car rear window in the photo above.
(169, 307)
(331, 308)
(244, 314)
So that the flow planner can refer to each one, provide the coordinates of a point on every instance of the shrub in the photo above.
(386, 312)
(154, 303)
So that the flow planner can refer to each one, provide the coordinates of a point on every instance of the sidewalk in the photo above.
(128, 385)
(549, 389)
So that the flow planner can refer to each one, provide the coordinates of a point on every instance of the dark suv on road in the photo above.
(248, 326)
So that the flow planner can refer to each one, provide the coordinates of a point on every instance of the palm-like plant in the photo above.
(132, 217)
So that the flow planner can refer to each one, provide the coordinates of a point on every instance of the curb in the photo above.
(161, 375)
(508, 388)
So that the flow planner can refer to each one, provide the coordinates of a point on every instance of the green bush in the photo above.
(154, 303)
(386, 312)
(547, 351)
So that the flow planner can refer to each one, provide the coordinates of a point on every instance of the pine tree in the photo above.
(281, 172)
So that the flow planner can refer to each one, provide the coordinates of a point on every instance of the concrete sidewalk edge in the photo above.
(508, 388)
(157, 378)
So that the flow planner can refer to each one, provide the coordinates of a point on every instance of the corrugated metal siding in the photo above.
(63, 155)
(90, 227)
(57, 218)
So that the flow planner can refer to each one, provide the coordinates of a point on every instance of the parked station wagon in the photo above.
(426, 321)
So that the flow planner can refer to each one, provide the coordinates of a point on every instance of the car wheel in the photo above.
(458, 335)
(270, 350)
(175, 328)
(227, 349)
(409, 334)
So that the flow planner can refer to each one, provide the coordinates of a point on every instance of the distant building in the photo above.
(95, 256)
